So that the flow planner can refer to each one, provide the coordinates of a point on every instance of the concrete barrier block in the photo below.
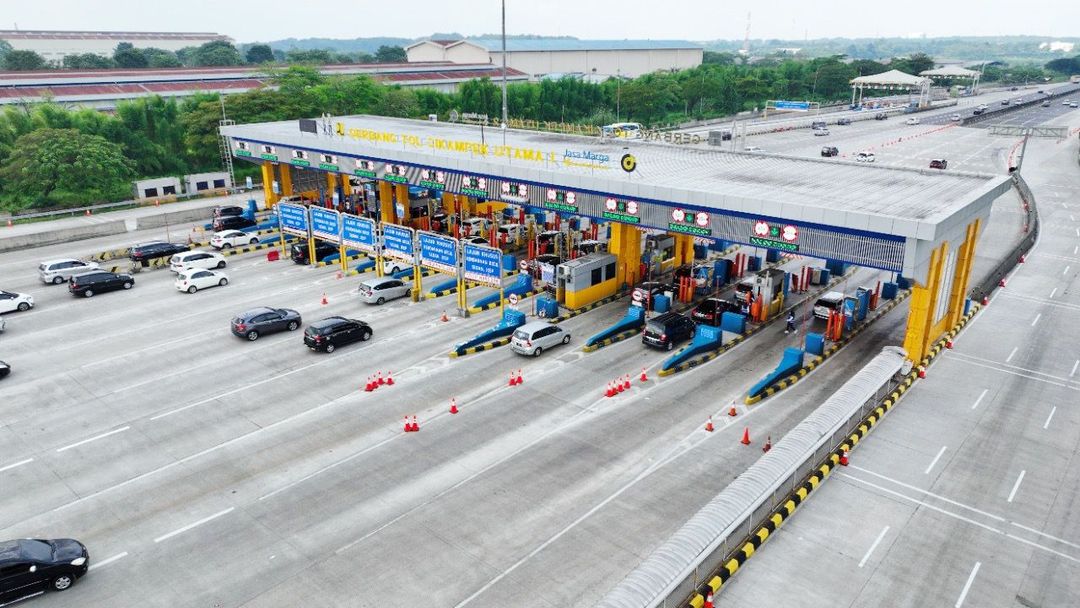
(889, 291)
(815, 344)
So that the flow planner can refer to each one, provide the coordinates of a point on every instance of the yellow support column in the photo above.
(964, 261)
(268, 184)
(285, 180)
(346, 185)
(402, 191)
(331, 185)
(625, 244)
(470, 206)
(923, 302)
(684, 249)
(386, 202)
(449, 203)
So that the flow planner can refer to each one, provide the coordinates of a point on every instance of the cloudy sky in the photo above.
(673, 19)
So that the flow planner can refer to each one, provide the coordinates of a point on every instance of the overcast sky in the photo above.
(657, 19)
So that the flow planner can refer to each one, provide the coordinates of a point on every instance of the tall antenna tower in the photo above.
(223, 141)
(746, 40)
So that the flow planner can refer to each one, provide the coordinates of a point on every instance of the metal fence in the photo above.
(58, 212)
(984, 288)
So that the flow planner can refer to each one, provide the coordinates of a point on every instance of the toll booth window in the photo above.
(200, 186)
(169, 190)
(669, 253)
(597, 276)
(609, 272)
(150, 192)
(219, 183)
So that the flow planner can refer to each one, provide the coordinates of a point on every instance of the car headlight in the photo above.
(78, 561)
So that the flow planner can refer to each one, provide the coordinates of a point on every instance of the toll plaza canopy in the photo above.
(883, 217)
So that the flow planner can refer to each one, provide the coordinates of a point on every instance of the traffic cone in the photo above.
(732, 411)
(324, 301)
(370, 386)
(922, 372)
(444, 318)
(985, 301)
(389, 378)
(618, 386)
(948, 344)
(340, 275)
(407, 429)
(708, 601)
(453, 405)
(1021, 260)
(415, 427)
(10, 223)
(768, 444)
(1001, 283)
(709, 426)
(519, 379)
(626, 382)
(88, 212)
(644, 378)
(746, 436)
(513, 381)
(610, 392)
(379, 379)
(843, 458)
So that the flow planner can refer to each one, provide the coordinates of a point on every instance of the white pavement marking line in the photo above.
(194, 525)
(1047, 423)
(1007, 359)
(1067, 267)
(1071, 218)
(1036, 319)
(1016, 486)
(16, 464)
(967, 585)
(1031, 374)
(1053, 291)
(873, 546)
(934, 461)
(1073, 372)
(107, 561)
(95, 438)
(979, 400)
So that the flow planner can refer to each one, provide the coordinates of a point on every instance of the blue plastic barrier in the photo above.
(862, 294)
(661, 303)
(521, 286)
(252, 209)
(823, 276)
(753, 263)
(903, 283)
(789, 364)
(706, 338)
(836, 267)
(772, 255)
(889, 291)
(407, 273)
(700, 252)
(815, 344)
(364, 265)
(509, 262)
(448, 284)
(721, 272)
(634, 319)
(733, 322)
(512, 319)
(547, 307)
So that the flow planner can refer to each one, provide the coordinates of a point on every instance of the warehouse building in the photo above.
(55, 45)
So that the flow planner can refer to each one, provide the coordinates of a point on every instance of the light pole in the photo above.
(504, 118)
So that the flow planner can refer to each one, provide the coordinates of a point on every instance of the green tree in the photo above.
(319, 56)
(160, 58)
(217, 53)
(1064, 65)
(391, 54)
(259, 53)
(5, 48)
(650, 97)
(88, 61)
(58, 164)
(397, 101)
(717, 58)
(127, 56)
(918, 62)
(22, 61)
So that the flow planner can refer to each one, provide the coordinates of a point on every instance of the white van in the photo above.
(58, 271)
(474, 226)
(828, 303)
(513, 232)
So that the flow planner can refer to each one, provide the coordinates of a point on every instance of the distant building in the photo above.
(544, 56)
(1057, 46)
(55, 45)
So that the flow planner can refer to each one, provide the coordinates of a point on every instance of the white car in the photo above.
(232, 238)
(911, 121)
(378, 291)
(753, 149)
(818, 132)
(10, 301)
(194, 279)
(476, 240)
(391, 267)
(58, 271)
(1066, 102)
(955, 118)
(196, 259)
(865, 157)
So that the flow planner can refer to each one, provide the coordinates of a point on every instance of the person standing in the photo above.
(790, 322)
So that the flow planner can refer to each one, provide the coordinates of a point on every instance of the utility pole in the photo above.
(505, 121)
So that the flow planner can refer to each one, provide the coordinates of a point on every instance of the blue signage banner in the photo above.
(358, 232)
(483, 265)
(793, 105)
(293, 219)
(326, 224)
(398, 243)
(438, 251)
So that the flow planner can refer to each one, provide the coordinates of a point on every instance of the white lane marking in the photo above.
(1067, 267)
(332, 465)
(1047, 423)
(1073, 372)
(1031, 374)
(967, 585)
(95, 438)
(1016, 486)
(1071, 218)
(1036, 319)
(16, 464)
(194, 525)
(979, 400)
(1007, 359)
(1053, 291)
(107, 561)
(235, 390)
(873, 546)
(934, 461)
(1075, 249)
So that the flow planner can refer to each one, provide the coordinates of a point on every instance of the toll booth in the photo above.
(659, 253)
(551, 242)
(585, 280)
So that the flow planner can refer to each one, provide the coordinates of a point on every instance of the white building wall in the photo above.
(467, 53)
(56, 49)
(426, 51)
(628, 63)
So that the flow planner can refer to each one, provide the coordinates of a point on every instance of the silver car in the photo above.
(378, 291)
(532, 338)
(58, 271)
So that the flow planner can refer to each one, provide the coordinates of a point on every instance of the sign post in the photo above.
(399, 244)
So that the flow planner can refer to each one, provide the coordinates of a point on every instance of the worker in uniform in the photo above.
(790, 322)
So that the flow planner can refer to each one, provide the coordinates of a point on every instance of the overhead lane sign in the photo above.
(326, 224)
(438, 251)
(398, 243)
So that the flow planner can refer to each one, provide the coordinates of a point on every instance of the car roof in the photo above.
(229, 233)
(188, 271)
(535, 325)
(378, 281)
(254, 312)
(62, 260)
(330, 321)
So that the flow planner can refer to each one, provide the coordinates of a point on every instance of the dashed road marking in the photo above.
(1016, 486)
(1054, 291)
(967, 585)
(192, 525)
(1046, 424)
(873, 546)
(16, 464)
(94, 438)
(979, 400)
(107, 561)
(1007, 359)
(1036, 319)
(935, 460)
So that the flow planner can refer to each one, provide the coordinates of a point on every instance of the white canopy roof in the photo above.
(890, 78)
(952, 71)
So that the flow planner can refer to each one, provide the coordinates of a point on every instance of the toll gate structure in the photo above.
(920, 224)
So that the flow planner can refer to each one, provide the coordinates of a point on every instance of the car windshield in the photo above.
(521, 335)
(708, 306)
(35, 550)
(654, 328)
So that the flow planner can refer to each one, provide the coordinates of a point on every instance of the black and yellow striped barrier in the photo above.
(570, 314)
(431, 295)
(619, 337)
(787, 509)
(490, 305)
(480, 347)
(833, 348)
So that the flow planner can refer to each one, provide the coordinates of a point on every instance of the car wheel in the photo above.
(127, 285)
(223, 282)
(536, 353)
(23, 307)
(293, 325)
(57, 280)
(192, 289)
(364, 337)
(221, 264)
(61, 583)
(252, 336)
(380, 301)
(253, 242)
(89, 293)
(225, 246)
(670, 345)
(566, 339)
(330, 348)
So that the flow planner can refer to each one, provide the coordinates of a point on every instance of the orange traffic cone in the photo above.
(415, 427)
(768, 444)
(10, 223)
(644, 378)
(453, 405)
(618, 386)
(519, 379)
(379, 379)
(324, 301)
(407, 429)
(444, 318)
(389, 378)
(922, 372)
(746, 436)
(709, 426)
(708, 601)
(610, 392)
(948, 344)
(732, 411)
(843, 458)
(1001, 283)
(370, 386)
(626, 382)
(88, 212)
(340, 275)
(513, 380)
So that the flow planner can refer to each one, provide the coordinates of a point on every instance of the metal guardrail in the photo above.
(130, 203)
(993, 279)
(1000, 111)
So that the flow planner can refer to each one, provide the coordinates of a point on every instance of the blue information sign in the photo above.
(326, 224)
(483, 265)
(293, 219)
(398, 243)
(792, 105)
(438, 252)
(358, 232)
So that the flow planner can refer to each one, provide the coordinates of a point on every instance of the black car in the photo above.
(828, 151)
(667, 329)
(264, 320)
(5, 369)
(939, 163)
(29, 566)
(233, 222)
(225, 210)
(332, 332)
(299, 251)
(881, 116)
(156, 249)
(977, 111)
(843, 121)
(98, 282)
(712, 309)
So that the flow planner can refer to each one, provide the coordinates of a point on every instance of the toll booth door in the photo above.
(560, 286)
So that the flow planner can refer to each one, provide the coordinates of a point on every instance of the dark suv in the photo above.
(299, 251)
(667, 329)
(258, 321)
(329, 333)
(98, 282)
(939, 163)
(881, 116)
(29, 566)
(712, 309)
(233, 222)
(156, 249)
(225, 210)
(828, 151)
